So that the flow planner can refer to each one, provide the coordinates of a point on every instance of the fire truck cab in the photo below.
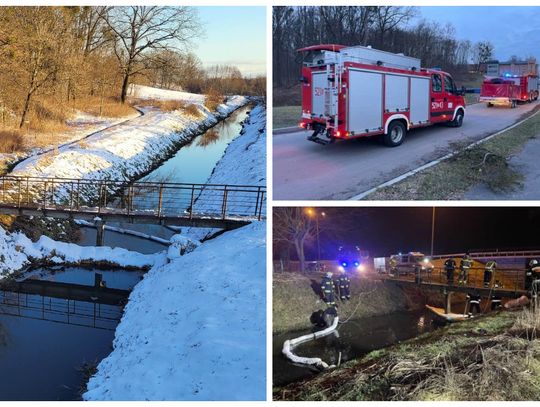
(351, 92)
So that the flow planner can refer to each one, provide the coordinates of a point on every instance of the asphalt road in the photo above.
(303, 170)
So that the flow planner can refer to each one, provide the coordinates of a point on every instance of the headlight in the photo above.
(340, 268)
(426, 260)
(360, 267)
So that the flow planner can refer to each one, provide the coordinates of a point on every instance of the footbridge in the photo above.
(176, 204)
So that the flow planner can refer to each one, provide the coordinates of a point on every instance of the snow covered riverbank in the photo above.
(194, 328)
(243, 163)
(18, 252)
(130, 149)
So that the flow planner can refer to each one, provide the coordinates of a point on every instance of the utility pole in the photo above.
(432, 229)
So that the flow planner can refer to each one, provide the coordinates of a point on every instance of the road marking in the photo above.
(437, 161)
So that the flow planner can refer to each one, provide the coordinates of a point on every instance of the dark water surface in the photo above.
(45, 342)
(354, 339)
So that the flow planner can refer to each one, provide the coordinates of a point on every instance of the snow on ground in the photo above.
(243, 163)
(147, 92)
(194, 328)
(18, 251)
(127, 150)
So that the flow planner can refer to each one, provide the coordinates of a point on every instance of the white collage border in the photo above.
(268, 4)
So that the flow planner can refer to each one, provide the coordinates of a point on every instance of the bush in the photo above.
(11, 141)
(213, 100)
(192, 110)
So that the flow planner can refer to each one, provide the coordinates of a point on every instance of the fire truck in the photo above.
(509, 90)
(352, 92)
(350, 258)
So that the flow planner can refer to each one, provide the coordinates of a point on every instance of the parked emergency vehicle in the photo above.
(509, 90)
(409, 263)
(350, 258)
(351, 92)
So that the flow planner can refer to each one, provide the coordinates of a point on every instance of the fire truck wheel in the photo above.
(395, 135)
(490, 105)
(458, 120)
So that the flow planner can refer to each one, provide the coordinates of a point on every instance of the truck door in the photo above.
(450, 94)
(439, 100)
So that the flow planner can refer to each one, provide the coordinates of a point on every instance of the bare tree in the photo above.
(293, 226)
(483, 52)
(139, 30)
(389, 17)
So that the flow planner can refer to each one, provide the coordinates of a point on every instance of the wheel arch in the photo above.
(400, 117)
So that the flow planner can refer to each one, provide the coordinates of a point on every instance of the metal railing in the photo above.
(65, 311)
(149, 199)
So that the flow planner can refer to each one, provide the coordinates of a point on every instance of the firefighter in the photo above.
(532, 279)
(473, 301)
(328, 290)
(496, 300)
(450, 268)
(489, 272)
(464, 267)
(344, 286)
(323, 319)
(393, 266)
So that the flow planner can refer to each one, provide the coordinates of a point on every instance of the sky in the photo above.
(512, 30)
(390, 230)
(233, 36)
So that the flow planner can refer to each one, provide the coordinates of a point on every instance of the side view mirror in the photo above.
(462, 91)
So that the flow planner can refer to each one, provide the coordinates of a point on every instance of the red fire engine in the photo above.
(509, 90)
(351, 92)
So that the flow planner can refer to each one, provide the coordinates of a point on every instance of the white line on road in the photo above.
(435, 162)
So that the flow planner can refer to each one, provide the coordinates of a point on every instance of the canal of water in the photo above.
(193, 163)
(352, 340)
(46, 342)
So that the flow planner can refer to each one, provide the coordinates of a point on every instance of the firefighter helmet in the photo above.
(329, 274)
(533, 263)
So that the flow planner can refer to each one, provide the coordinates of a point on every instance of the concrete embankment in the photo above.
(297, 296)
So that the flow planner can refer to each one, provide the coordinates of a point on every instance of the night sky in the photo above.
(389, 230)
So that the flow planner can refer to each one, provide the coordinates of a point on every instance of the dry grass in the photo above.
(487, 358)
(192, 110)
(11, 141)
(213, 100)
(163, 105)
(108, 107)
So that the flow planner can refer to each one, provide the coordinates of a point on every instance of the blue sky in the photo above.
(233, 36)
(512, 30)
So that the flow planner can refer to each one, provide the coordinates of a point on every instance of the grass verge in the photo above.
(286, 116)
(493, 357)
(486, 163)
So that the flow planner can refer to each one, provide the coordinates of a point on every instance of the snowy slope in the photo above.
(17, 251)
(194, 328)
(147, 92)
(127, 150)
(243, 163)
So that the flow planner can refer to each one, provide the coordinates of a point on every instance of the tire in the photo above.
(490, 105)
(458, 120)
(396, 133)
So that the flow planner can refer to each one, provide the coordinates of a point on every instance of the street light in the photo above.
(314, 214)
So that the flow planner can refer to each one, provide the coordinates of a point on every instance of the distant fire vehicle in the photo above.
(409, 263)
(350, 258)
(352, 92)
(509, 90)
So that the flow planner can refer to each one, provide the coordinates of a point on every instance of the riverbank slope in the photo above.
(492, 357)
